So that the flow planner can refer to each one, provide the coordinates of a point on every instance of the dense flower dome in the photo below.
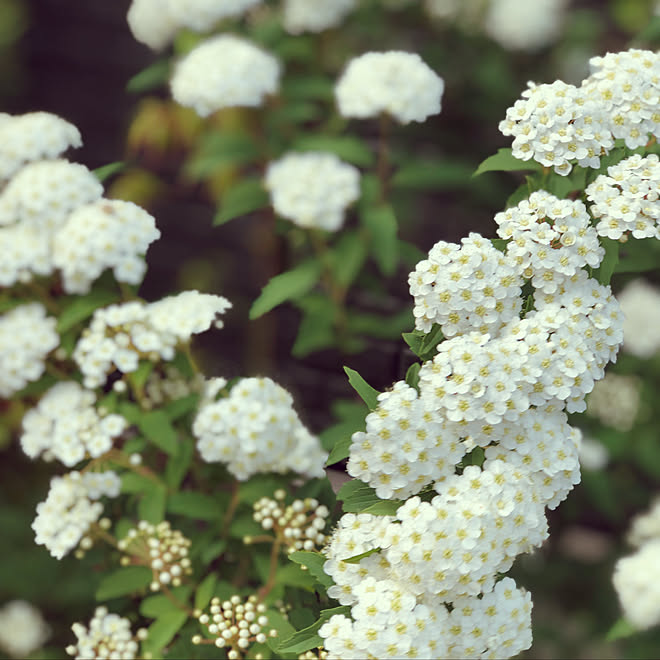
(223, 72)
(397, 83)
(312, 189)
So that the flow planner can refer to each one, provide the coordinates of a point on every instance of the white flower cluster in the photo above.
(312, 189)
(32, 137)
(108, 636)
(558, 124)
(513, 24)
(640, 304)
(255, 429)
(235, 624)
(395, 82)
(52, 215)
(169, 385)
(395, 612)
(223, 72)
(551, 239)
(68, 512)
(66, 426)
(615, 400)
(27, 335)
(106, 234)
(637, 577)
(314, 15)
(523, 25)
(22, 629)
(299, 525)
(627, 199)
(464, 288)
(163, 549)
(120, 335)
(155, 22)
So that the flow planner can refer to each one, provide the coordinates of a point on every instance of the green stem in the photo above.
(270, 583)
(383, 165)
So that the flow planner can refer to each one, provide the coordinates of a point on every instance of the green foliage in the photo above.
(367, 393)
(242, 198)
(123, 581)
(158, 429)
(152, 504)
(314, 562)
(505, 161)
(152, 77)
(162, 631)
(423, 344)
(349, 148)
(308, 638)
(380, 221)
(192, 504)
(290, 285)
(76, 309)
(358, 497)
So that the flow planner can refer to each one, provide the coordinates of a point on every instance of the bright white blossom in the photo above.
(223, 72)
(627, 199)
(22, 628)
(66, 426)
(108, 636)
(33, 136)
(119, 336)
(395, 82)
(523, 25)
(105, 234)
(151, 23)
(314, 15)
(202, 15)
(640, 304)
(69, 510)
(471, 287)
(637, 582)
(255, 429)
(312, 189)
(27, 335)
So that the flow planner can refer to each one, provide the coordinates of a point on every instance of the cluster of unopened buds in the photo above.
(163, 549)
(235, 625)
(317, 654)
(298, 526)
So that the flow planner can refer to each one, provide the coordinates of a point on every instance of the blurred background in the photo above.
(78, 59)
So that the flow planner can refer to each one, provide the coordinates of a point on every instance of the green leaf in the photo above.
(381, 327)
(152, 505)
(155, 75)
(432, 175)
(348, 148)
(424, 345)
(610, 260)
(505, 161)
(412, 375)
(157, 427)
(135, 483)
(194, 505)
(316, 329)
(340, 451)
(348, 255)
(242, 198)
(178, 465)
(205, 591)
(620, 630)
(219, 151)
(139, 377)
(105, 172)
(314, 562)
(358, 497)
(292, 575)
(124, 581)
(162, 632)
(159, 604)
(177, 409)
(308, 638)
(290, 285)
(355, 559)
(381, 224)
(638, 256)
(367, 393)
(82, 307)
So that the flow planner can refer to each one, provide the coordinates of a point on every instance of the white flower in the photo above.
(394, 82)
(637, 582)
(66, 424)
(151, 23)
(22, 628)
(106, 234)
(108, 636)
(255, 429)
(614, 400)
(314, 15)
(640, 304)
(312, 189)
(523, 25)
(593, 454)
(33, 136)
(202, 15)
(27, 335)
(222, 72)
(646, 526)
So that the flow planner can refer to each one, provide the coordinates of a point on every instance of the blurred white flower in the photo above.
(22, 628)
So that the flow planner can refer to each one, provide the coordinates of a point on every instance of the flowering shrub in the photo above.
(205, 499)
